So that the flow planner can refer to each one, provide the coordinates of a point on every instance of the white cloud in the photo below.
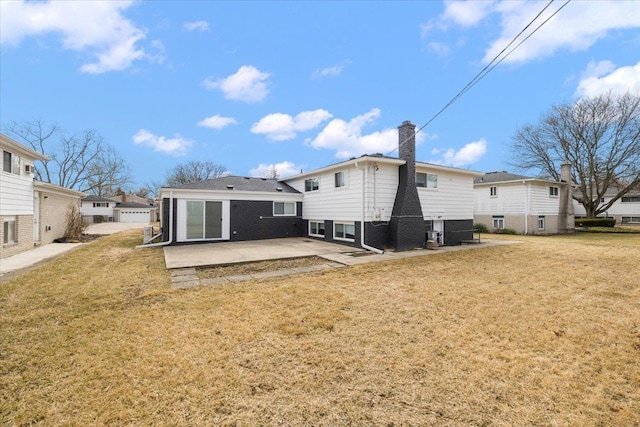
(467, 155)
(284, 169)
(97, 29)
(176, 146)
(248, 84)
(197, 25)
(217, 122)
(348, 140)
(574, 28)
(280, 127)
(441, 49)
(602, 77)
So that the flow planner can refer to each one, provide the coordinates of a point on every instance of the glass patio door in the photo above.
(204, 220)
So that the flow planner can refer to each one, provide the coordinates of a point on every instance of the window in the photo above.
(602, 200)
(9, 226)
(493, 191)
(630, 220)
(541, 222)
(100, 204)
(553, 191)
(426, 180)
(631, 199)
(498, 222)
(340, 179)
(284, 208)
(316, 228)
(10, 163)
(343, 231)
(311, 184)
(204, 220)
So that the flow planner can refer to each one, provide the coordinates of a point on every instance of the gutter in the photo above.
(153, 245)
(363, 245)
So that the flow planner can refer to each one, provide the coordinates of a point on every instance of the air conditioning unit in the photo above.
(29, 169)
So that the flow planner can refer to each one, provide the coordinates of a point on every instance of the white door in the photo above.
(438, 226)
(36, 216)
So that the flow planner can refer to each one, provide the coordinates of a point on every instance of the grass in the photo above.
(545, 332)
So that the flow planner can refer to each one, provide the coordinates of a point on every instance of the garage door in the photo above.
(134, 215)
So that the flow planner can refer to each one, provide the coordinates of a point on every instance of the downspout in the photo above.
(362, 243)
(526, 208)
(153, 245)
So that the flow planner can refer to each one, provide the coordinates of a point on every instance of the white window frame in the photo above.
(344, 232)
(630, 199)
(430, 180)
(340, 179)
(284, 209)
(630, 220)
(317, 229)
(498, 222)
(10, 231)
(493, 191)
(314, 184)
(541, 222)
(553, 191)
(13, 162)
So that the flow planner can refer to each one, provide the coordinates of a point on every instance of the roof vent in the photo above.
(230, 187)
(264, 179)
(246, 177)
(278, 188)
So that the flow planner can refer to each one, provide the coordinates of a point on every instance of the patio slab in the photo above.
(224, 253)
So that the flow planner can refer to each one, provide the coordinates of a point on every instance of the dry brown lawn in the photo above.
(546, 332)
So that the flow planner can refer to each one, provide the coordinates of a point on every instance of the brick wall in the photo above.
(54, 209)
(24, 236)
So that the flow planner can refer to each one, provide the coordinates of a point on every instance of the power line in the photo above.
(489, 66)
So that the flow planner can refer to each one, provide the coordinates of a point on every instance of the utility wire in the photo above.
(489, 66)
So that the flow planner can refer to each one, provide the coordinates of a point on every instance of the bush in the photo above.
(506, 231)
(75, 225)
(595, 222)
(480, 228)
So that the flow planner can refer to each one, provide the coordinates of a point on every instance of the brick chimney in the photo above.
(407, 221)
(566, 217)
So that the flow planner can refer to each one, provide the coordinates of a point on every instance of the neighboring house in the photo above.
(524, 204)
(31, 212)
(97, 209)
(122, 208)
(626, 210)
(371, 201)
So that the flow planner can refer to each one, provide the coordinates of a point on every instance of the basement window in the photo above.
(284, 208)
(630, 220)
(344, 231)
(498, 222)
(541, 222)
(316, 228)
(9, 228)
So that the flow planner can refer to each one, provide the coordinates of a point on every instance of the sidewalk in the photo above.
(34, 257)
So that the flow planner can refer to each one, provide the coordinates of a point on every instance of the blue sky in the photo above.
(301, 85)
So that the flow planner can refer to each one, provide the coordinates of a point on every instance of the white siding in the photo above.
(511, 199)
(541, 203)
(345, 203)
(87, 208)
(618, 208)
(452, 199)
(16, 193)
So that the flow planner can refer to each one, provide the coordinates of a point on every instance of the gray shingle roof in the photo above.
(499, 177)
(240, 183)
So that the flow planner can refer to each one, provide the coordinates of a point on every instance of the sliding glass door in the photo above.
(204, 220)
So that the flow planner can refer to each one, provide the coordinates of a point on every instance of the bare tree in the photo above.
(82, 161)
(194, 171)
(599, 136)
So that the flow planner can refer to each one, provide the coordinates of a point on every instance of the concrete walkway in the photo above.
(184, 278)
(33, 257)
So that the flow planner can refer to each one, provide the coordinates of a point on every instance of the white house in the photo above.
(97, 209)
(31, 212)
(626, 210)
(524, 204)
(372, 201)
